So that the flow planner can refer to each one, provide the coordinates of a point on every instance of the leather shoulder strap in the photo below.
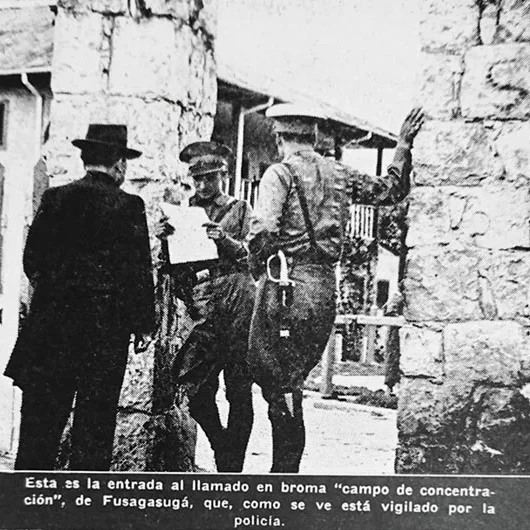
(224, 211)
(305, 209)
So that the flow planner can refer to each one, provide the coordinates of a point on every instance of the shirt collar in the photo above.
(219, 200)
(303, 153)
(99, 176)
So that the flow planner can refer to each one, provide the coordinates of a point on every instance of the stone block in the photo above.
(193, 127)
(495, 409)
(441, 285)
(175, 440)
(79, 57)
(421, 352)
(467, 284)
(439, 92)
(513, 21)
(179, 9)
(496, 82)
(77, 6)
(483, 352)
(151, 59)
(504, 285)
(448, 24)
(512, 145)
(494, 217)
(197, 68)
(7, 398)
(208, 17)
(209, 85)
(137, 388)
(153, 128)
(133, 442)
(456, 152)
(489, 21)
(109, 7)
(420, 407)
(502, 428)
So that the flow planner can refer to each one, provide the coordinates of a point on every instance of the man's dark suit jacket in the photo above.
(89, 239)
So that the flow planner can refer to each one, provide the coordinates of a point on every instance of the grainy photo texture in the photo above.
(362, 300)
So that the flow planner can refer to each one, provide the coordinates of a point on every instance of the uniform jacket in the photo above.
(234, 217)
(89, 239)
(330, 188)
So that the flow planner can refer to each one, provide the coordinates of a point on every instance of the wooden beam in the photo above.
(379, 166)
(376, 320)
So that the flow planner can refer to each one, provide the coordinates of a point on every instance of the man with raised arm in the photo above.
(301, 215)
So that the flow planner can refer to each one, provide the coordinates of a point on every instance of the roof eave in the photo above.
(30, 70)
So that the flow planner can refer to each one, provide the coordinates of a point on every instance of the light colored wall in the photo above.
(18, 157)
(387, 269)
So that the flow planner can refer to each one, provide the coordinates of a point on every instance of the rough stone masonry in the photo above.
(463, 405)
(148, 64)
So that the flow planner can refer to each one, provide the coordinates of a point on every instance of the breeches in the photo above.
(282, 364)
(219, 342)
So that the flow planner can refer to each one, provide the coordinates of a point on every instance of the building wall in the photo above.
(466, 358)
(19, 156)
(387, 268)
(259, 147)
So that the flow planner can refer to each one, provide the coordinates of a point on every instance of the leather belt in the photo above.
(308, 259)
(210, 273)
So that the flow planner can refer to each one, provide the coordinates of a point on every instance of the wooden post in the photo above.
(379, 164)
(370, 334)
(328, 359)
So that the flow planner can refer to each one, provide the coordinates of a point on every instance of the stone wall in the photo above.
(148, 64)
(466, 355)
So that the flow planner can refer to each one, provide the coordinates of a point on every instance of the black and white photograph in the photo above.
(264, 263)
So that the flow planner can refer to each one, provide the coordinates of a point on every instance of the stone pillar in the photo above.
(148, 64)
(465, 358)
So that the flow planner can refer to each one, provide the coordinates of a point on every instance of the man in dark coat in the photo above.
(88, 258)
(222, 301)
(302, 211)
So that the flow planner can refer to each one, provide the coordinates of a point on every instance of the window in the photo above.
(362, 221)
(3, 123)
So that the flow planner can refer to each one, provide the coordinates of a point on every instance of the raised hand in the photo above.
(411, 125)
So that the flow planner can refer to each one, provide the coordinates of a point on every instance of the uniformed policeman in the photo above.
(223, 296)
(302, 211)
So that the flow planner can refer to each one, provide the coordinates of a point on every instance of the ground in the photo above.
(343, 438)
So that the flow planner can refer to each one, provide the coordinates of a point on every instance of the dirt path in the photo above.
(342, 438)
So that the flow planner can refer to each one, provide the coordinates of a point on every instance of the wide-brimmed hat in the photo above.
(107, 135)
(294, 118)
(206, 157)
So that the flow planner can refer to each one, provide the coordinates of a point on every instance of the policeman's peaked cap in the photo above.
(206, 157)
(295, 119)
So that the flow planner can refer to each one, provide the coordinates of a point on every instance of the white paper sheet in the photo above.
(189, 242)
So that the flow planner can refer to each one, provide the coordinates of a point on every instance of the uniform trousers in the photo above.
(281, 365)
(219, 343)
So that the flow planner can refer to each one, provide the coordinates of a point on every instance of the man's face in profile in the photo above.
(120, 169)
